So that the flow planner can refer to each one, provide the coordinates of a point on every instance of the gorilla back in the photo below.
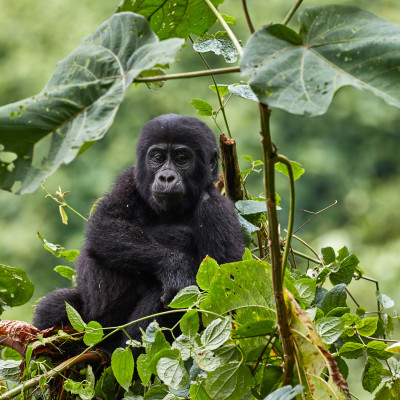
(147, 237)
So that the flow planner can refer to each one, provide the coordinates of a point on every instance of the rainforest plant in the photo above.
(281, 323)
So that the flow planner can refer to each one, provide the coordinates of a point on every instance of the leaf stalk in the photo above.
(285, 160)
(184, 75)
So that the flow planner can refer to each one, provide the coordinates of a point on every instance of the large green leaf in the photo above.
(336, 46)
(174, 18)
(16, 288)
(79, 103)
(244, 286)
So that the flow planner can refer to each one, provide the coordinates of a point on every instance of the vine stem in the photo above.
(86, 356)
(247, 15)
(269, 154)
(226, 27)
(286, 161)
(217, 91)
(81, 358)
(184, 75)
(292, 12)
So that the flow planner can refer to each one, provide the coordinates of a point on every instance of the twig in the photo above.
(377, 289)
(260, 246)
(309, 247)
(193, 74)
(82, 358)
(351, 296)
(305, 256)
(253, 370)
(382, 340)
(291, 12)
(288, 165)
(313, 215)
(247, 15)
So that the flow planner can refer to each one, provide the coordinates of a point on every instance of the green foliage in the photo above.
(326, 55)
(17, 288)
(173, 19)
(74, 318)
(220, 44)
(122, 364)
(122, 47)
(202, 107)
(237, 352)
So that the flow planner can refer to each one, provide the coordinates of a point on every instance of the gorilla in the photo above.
(148, 236)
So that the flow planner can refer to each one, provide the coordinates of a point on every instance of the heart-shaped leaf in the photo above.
(336, 46)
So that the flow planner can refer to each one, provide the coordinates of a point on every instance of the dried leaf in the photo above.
(313, 355)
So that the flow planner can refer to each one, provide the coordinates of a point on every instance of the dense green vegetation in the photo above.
(349, 155)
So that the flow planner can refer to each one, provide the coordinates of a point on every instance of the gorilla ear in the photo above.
(214, 161)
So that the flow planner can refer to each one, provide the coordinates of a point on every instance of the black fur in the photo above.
(137, 254)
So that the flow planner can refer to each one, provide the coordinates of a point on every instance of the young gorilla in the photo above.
(148, 236)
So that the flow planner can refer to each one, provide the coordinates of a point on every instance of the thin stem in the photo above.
(352, 297)
(269, 154)
(253, 371)
(314, 214)
(309, 247)
(286, 161)
(247, 15)
(305, 256)
(81, 358)
(382, 340)
(217, 91)
(184, 75)
(377, 289)
(260, 245)
(291, 12)
(226, 27)
(76, 212)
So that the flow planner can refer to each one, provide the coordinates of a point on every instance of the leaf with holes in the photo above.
(80, 101)
(178, 18)
(17, 289)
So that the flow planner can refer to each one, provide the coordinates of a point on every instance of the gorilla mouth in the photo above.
(168, 200)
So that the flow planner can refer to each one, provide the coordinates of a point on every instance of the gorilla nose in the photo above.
(167, 177)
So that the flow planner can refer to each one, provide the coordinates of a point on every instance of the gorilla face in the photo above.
(177, 160)
(171, 165)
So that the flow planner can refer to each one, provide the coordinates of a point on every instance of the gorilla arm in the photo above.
(118, 242)
(217, 229)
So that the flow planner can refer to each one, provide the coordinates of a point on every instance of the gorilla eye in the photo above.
(159, 157)
(180, 158)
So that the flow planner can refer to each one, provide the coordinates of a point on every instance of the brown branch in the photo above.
(247, 15)
(13, 344)
(230, 166)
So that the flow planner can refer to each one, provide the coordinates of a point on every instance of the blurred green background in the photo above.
(350, 154)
